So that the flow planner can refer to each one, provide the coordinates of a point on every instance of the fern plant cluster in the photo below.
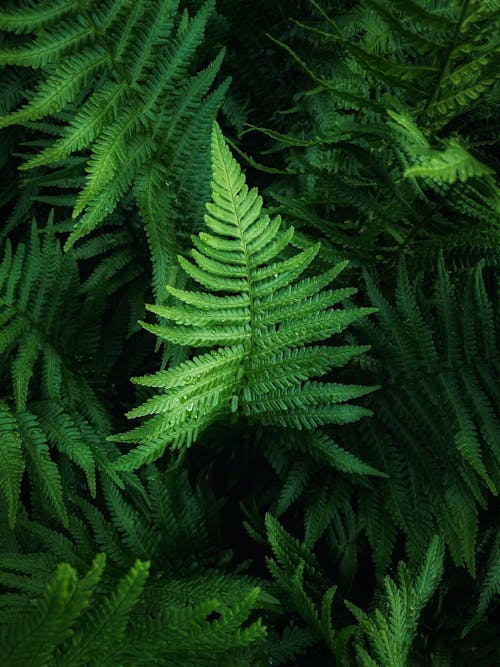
(248, 319)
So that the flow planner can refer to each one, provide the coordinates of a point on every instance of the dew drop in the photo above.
(189, 407)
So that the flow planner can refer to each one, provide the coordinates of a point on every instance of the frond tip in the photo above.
(259, 316)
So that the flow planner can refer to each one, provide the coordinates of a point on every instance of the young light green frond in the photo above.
(104, 618)
(33, 641)
(256, 319)
(452, 164)
(431, 571)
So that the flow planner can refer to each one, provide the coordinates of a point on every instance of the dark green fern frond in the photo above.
(11, 460)
(160, 518)
(489, 586)
(362, 183)
(49, 341)
(390, 630)
(261, 325)
(191, 611)
(87, 620)
(436, 432)
(38, 285)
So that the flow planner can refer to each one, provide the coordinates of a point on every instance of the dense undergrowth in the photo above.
(248, 310)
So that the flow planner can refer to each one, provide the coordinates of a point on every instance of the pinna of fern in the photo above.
(159, 517)
(187, 589)
(390, 629)
(261, 326)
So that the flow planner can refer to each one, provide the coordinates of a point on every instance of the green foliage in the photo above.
(122, 71)
(54, 402)
(261, 323)
(72, 622)
(391, 632)
(436, 425)
(331, 353)
(387, 145)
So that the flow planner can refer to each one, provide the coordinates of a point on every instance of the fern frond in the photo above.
(11, 461)
(106, 625)
(452, 164)
(438, 388)
(43, 471)
(260, 324)
(33, 640)
(27, 19)
(37, 284)
(392, 631)
(56, 399)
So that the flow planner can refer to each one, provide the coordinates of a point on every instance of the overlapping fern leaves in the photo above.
(377, 141)
(385, 147)
(124, 66)
(177, 603)
(390, 629)
(261, 323)
(71, 623)
(437, 428)
(50, 343)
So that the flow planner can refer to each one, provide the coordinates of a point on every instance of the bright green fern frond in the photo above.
(392, 631)
(452, 164)
(259, 315)
(105, 626)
